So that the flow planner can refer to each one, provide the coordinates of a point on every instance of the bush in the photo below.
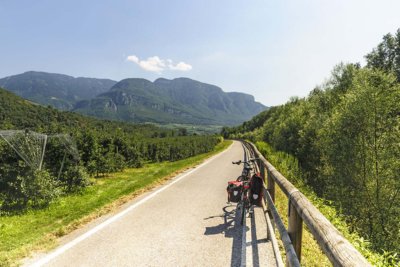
(74, 178)
(27, 188)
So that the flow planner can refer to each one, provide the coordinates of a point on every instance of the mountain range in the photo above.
(180, 100)
(57, 90)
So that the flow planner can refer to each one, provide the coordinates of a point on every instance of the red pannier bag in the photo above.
(234, 190)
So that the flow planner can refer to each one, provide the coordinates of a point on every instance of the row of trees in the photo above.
(66, 170)
(104, 153)
(91, 147)
(346, 136)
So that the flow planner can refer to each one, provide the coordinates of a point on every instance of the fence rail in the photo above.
(337, 248)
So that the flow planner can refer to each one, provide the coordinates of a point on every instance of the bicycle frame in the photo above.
(244, 203)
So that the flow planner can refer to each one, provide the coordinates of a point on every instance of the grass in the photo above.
(38, 230)
(311, 254)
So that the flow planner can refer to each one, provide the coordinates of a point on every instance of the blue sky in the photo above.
(270, 49)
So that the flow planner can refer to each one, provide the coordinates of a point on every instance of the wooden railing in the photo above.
(337, 248)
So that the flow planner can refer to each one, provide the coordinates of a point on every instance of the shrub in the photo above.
(28, 188)
(74, 178)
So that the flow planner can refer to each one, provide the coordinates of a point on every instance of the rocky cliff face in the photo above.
(180, 100)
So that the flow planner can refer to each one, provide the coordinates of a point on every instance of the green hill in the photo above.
(19, 113)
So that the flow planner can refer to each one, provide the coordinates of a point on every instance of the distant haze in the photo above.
(269, 49)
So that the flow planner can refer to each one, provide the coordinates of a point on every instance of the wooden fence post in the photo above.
(271, 185)
(262, 170)
(295, 229)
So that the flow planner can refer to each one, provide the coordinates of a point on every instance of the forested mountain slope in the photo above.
(19, 113)
(346, 137)
(57, 90)
(180, 100)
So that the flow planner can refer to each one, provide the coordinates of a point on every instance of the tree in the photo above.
(386, 56)
(361, 155)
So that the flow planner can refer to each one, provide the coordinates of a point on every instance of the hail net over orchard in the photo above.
(31, 146)
(67, 143)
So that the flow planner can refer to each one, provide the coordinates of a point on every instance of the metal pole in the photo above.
(44, 149)
(62, 165)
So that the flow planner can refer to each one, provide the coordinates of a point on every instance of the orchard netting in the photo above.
(31, 146)
(65, 143)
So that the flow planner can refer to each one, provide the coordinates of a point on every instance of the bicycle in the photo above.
(244, 202)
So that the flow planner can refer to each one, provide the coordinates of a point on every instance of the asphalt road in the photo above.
(186, 222)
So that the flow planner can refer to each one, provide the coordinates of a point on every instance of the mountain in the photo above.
(17, 113)
(163, 101)
(180, 100)
(57, 90)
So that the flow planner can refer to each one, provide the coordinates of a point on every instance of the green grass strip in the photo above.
(38, 230)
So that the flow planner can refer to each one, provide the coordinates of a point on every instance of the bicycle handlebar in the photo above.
(244, 162)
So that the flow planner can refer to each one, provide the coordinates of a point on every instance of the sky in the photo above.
(271, 49)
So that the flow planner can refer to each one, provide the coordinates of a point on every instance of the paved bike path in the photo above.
(187, 223)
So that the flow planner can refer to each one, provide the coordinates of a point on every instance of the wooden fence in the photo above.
(339, 251)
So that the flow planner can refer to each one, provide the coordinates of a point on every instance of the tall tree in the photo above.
(386, 56)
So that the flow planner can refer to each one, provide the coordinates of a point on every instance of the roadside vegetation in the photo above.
(312, 255)
(68, 212)
(345, 139)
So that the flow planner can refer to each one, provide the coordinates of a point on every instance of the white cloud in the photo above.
(153, 64)
(181, 66)
(133, 59)
(156, 64)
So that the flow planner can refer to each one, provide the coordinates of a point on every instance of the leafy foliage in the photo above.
(289, 166)
(346, 138)
(21, 185)
(386, 56)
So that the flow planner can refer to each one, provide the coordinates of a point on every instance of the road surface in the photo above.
(186, 222)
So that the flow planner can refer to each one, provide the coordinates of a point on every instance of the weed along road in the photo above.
(186, 222)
